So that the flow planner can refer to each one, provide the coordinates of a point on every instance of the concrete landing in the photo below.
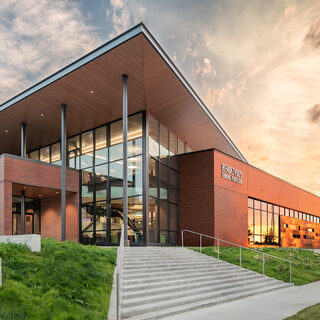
(275, 305)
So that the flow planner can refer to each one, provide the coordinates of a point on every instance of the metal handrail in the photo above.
(119, 275)
(237, 245)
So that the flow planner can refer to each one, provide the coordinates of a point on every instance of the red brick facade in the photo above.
(45, 179)
(212, 205)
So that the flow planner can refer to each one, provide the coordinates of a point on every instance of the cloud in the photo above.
(314, 113)
(312, 38)
(290, 10)
(38, 38)
(204, 69)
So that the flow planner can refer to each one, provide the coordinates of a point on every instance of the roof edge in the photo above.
(187, 85)
(113, 43)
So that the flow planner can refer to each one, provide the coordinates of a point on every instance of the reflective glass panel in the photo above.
(45, 154)
(164, 144)
(173, 217)
(173, 179)
(87, 217)
(180, 147)
(116, 179)
(55, 153)
(153, 177)
(164, 215)
(101, 150)
(134, 176)
(87, 149)
(163, 181)
(153, 137)
(173, 148)
(87, 186)
(116, 139)
(34, 155)
(101, 178)
(153, 220)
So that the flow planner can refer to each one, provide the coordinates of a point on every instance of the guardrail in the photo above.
(236, 245)
(119, 275)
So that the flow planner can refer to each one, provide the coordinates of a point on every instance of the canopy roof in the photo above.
(154, 84)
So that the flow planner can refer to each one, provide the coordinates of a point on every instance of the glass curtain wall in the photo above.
(100, 159)
(164, 148)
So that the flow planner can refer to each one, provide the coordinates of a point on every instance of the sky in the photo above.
(255, 64)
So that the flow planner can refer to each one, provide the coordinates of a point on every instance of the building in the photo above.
(63, 158)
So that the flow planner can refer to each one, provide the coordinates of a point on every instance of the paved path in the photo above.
(275, 305)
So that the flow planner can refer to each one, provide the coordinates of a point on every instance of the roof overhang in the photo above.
(154, 84)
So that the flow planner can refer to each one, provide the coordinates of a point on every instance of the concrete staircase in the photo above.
(159, 282)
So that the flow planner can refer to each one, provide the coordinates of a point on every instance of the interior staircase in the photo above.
(159, 282)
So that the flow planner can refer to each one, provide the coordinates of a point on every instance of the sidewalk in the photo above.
(274, 305)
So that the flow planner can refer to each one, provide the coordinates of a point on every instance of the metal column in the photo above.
(125, 157)
(23, 209)
(23, 151)
(63, 170)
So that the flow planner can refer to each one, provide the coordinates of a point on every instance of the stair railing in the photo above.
(119, 275)
(236, 245)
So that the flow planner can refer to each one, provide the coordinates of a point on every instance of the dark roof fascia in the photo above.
(131, 33)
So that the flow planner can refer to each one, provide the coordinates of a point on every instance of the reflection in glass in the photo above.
(153, 220)
(101, 177)
(153, 137)
(101, 152)
(116, 179)
(87, 186)
(87, 149)
(164, 144)
(173, 217)
(164, 215)
(173, 148)
(153, 177)
(134, 176)
(116, 138)
(173, 180)
(163, 181)
(45, 154)
(34, 155)
(55, 153)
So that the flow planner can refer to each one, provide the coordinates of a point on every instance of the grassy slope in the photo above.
(64, 281)
(305, 266)
(310, 313)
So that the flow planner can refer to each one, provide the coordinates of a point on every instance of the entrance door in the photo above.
(28, 224)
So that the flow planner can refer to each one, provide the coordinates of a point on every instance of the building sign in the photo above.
(231, 174)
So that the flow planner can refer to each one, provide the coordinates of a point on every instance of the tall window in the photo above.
(263, 223)
(164, 148)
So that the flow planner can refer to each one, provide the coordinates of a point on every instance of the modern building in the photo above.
(125, 112)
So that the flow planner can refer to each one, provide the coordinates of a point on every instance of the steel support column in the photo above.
(23, 152)
(125, 157)
(63, 170)
(23, 209)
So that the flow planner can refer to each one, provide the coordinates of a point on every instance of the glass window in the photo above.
(304, 216)
(153, 220)
(180, 147)
(164, 215)
(257, 222)
(173, 217)
(116, 139)
(263, 206)
(282, 211)
(135, 176)
(55, 153)
(74, 152)
(256, 204)
(87, 185)
(101, 150)
(101, 178)
(296, 214)
(135, 135)
(286, 212)
(276, 209)
(87, 217)
(164, 144)
(153, 177)
(74, 143)
(250, 203)
(270, 207)
(116, 179)
(153, 137)
(34, 155)
(188, 149)
(87, 149)
(163, 181)
(250, 225)
(101, 217)
(173, 180)
(173, 148)
(45, 154)
(264, 225)
(276, 224)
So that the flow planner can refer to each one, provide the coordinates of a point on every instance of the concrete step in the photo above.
(167, 312)
(166, 273)
(172, 287)
(212, 273)
(192, 292)
(170, 282)
(170, 266)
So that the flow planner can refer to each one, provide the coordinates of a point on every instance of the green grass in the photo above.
(305, 263)
(310, 313)
(65, 281)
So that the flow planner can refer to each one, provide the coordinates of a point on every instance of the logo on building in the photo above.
(231, 174)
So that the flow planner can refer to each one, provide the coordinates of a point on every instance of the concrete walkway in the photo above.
(275, 305)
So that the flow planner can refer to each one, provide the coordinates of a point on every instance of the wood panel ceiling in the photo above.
(152, 85)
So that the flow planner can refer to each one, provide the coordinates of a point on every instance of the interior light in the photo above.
(24, 187)
(40, 195)
(6, 131)
(132, 159)
(57, 192)
(42, 115)
(91, 91)
(132, 167)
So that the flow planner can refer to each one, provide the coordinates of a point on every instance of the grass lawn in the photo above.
(65, 281)
(305, 263)
(310, 313)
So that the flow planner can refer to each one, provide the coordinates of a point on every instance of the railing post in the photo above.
(240, 257)
(200, 243)
(118, 296)
(262, 263)
(290, 272)
(182, 238)
(218, 250)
